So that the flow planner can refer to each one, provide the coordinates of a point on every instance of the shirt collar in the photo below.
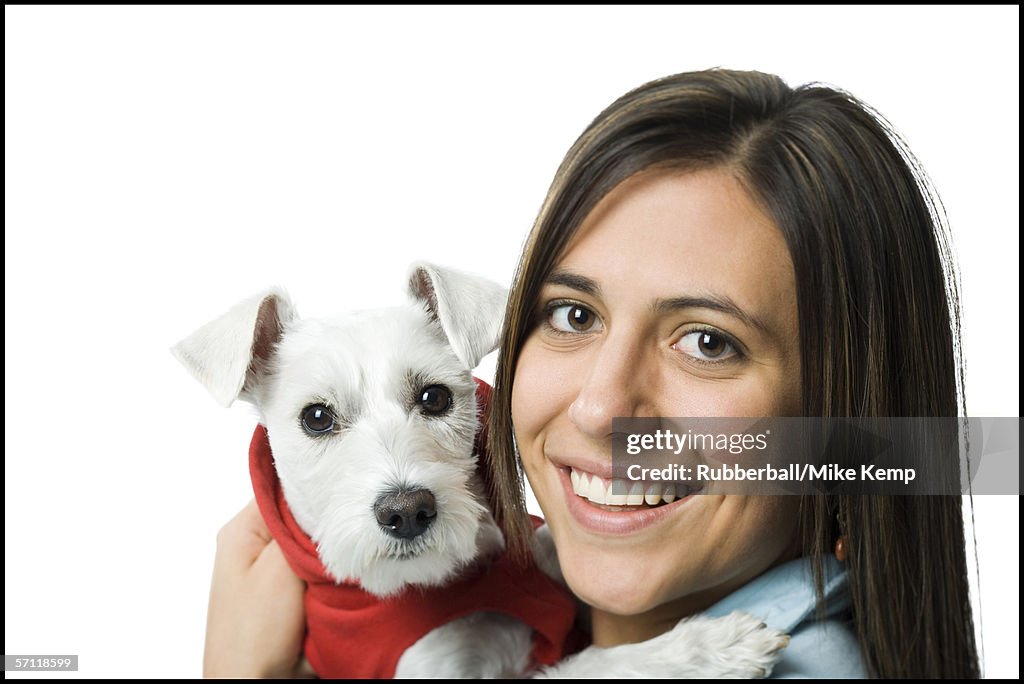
(784, 596)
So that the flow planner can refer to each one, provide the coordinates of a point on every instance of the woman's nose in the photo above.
(615, 387)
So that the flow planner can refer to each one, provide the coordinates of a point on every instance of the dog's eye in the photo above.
(435, 399)
(317, 419)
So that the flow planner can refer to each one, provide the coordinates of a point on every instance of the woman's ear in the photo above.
(469, 308)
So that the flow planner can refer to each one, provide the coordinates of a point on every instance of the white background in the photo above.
(163, 162)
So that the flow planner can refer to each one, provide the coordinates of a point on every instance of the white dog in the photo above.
(372, 417)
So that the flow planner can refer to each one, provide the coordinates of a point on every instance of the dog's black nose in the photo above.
(406, 514)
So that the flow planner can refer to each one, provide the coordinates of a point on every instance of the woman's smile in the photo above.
(603, 505)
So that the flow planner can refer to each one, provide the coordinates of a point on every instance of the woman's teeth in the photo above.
(599, 491)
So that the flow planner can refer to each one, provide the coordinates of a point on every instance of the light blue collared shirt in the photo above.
(784, 598)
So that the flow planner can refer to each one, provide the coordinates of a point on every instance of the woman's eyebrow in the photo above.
(713, 302)
(575, 282)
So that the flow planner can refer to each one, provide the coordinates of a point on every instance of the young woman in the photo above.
(715, 244)
(720, 244)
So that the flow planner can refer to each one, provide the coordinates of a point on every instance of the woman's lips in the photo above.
(609, 507)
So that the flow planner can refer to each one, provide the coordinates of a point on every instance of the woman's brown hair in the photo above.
(877, 301)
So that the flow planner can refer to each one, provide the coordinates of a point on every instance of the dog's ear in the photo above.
(469, 308)
(229, 354)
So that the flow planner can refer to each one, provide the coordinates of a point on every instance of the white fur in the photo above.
(219, 354)
(482, 645)
(455, 299)
(734, 646)
(369, 368)
(332, 482)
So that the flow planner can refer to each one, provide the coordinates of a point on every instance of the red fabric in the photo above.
(353, 634)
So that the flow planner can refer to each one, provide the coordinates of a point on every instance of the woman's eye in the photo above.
(706, 345)
(573, 318)
(317, 419)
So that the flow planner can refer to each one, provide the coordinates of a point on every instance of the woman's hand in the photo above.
(255, 623)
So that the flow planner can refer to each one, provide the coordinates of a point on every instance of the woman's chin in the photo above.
(612, 588)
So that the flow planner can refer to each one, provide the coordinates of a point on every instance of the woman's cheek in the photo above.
(536, 402)
(755, 533)
(543, 384)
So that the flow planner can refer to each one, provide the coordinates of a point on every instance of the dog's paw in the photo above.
(701, 647)
(737, 645)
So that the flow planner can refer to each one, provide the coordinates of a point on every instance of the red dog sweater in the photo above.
(351, 633)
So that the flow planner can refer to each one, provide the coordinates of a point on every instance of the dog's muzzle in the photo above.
(405, 513)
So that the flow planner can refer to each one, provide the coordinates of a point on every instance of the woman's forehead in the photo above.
(671, 234)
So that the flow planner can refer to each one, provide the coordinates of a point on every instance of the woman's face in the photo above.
(676, 298)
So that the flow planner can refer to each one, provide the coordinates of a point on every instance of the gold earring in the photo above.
(841, 549)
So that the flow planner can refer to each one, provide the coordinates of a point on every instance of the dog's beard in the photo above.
(406, 549)
(461, 533)
(390, 565)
